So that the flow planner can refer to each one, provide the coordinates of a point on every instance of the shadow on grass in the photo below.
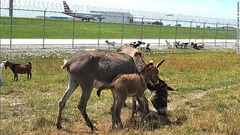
(154, 122)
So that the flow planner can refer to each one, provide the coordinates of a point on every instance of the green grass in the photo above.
(33, 28)
(31, 107)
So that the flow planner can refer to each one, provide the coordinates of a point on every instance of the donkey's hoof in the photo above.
(59, 127)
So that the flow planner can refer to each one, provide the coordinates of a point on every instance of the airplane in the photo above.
(83, 16)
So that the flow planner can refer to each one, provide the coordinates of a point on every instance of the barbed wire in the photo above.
(58, 7)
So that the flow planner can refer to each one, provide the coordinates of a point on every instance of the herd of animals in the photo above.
(146, 47)
(124, 71)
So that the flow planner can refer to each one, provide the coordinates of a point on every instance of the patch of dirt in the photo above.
(11, 100)
(181, 102)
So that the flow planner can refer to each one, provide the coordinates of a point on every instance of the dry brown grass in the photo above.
(208, 100)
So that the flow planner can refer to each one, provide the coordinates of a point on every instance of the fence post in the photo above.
(122, 28)
(226, 36)
(142, 29)
(176, 30)
(73, 32)
(99, 28)
(160, 31)
(44, 27)
(10, 44)
(237, 45)
(0, 30)
(190, 32)
(216, 35)
(204, 28)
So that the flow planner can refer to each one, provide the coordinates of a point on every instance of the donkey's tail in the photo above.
(107, 86)
(64, 64)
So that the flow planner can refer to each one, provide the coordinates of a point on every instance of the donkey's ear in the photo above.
(160, 63)
(171, 89)
(151, 62)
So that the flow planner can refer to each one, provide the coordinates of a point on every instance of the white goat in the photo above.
(1, 66)
(111, 43)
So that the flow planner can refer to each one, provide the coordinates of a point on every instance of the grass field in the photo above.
(207, 100)
(58, 29)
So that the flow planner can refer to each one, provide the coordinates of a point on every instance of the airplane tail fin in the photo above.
(66, 7)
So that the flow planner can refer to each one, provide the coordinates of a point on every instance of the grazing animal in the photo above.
(135, 54)
(181, 45)
(159, 96)
(89, 69)
(177, 44)
(110, 43)
(148, 48)
(135, 45)
(130, 85)
(197, 46)
(1, 66)
(20, 69)
(184, 44)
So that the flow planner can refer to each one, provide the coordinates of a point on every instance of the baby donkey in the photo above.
(131, 85)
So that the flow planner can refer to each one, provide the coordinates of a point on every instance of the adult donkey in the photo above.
(159, 91)
(89, 69)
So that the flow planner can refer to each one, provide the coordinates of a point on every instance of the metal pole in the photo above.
(10, 7)
(73, 32)
(99, 28)
(44, 28)
(190, 32)
(10, 14)
(142, 30)
(160, 31)
(204, 28)
(0, 30)
(10, 32)
(216, 35)
(122, 28)
(176, 30)
(226, 36)
(238, 46)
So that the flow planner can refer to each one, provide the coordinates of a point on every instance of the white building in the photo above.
(115, 17)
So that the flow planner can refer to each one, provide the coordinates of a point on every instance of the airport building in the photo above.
(115, 17)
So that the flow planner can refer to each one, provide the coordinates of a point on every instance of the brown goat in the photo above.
(20, 69)
(130, 85)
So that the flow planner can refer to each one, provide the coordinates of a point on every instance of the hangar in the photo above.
(116, 17)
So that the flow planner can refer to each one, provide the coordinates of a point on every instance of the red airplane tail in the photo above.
(66, 8)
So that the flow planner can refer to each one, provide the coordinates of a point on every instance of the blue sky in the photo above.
(226, 9)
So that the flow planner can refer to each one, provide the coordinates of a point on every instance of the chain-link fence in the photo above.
(45, 26)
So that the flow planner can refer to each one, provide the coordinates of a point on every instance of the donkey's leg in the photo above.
(30, 75)
(119, 109)
(15, 77)
(86, 92)
(114, 115)
(139, 106)
(145, 107)
(72, 85)
(134, 107)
